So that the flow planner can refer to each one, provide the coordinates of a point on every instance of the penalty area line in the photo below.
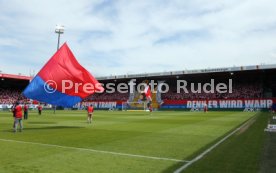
(186, 165)
(96, 151)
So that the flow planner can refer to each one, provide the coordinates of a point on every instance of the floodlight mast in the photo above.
(59, 30)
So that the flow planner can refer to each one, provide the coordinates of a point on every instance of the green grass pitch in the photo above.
(114, 142)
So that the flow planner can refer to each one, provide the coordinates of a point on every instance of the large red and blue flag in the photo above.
(62, 81)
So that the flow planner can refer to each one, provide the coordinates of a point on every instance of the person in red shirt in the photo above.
(149, 105)
(26, 111)
(13, 114)
(150, 108)
(39, 107)
(18, 117)
(205, 108)
(90, 110)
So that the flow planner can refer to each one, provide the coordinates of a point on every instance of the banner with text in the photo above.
(189, 104)
(101, 104)
(220, 103)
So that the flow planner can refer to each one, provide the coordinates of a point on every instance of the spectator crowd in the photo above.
(238, 91)
(108, 97)
(9, 96)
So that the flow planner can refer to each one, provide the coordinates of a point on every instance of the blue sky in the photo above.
(138, 36)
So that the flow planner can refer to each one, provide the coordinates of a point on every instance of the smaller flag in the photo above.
(147, 92)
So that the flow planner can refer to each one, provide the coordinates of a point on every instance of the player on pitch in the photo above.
(90, 110)
(205, 108)
(18, 117)
(26, 111)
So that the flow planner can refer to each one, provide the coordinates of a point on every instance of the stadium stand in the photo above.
(108, 96)
(11, 87)
(246, 90)
(10, 96)
(250, 82)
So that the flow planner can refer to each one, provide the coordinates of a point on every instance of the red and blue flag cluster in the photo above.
(62, 81)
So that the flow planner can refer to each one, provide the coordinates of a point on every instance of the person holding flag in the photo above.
(147, 93)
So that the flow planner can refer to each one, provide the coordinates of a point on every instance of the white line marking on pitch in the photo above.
(211, 148)
(96, 151)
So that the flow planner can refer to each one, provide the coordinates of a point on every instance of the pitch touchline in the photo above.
(96, 151)
(211, 148)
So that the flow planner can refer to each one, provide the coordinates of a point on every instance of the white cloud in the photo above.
(119, 37)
